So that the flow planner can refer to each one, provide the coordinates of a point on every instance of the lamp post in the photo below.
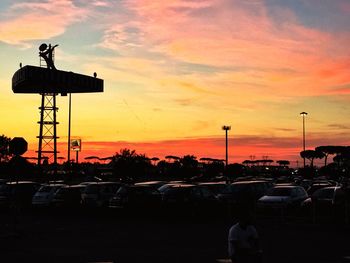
(303, 114)
(226, 129)
(69, 126)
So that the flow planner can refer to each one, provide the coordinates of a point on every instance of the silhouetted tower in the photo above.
(47, 81)
(47, 148)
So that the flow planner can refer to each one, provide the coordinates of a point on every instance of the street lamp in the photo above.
(69, 126)
(226, 129)
(303, 114)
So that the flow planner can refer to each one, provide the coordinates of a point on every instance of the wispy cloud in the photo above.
(24, 22)
(338, 126)
(280, 56)
(187, 67)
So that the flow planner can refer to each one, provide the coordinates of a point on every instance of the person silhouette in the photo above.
(243, 245)
(46, 52)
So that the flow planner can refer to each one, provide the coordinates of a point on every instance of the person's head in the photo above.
(245, 217)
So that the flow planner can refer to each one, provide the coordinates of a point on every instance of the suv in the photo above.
(136, 197)
(68, 196)
(196, 199)
(244, 192)
(18, 193)
(326, 200)
(45, 194)
(283, 197)
(99, 194)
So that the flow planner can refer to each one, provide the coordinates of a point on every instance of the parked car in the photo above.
(247, 192)
(18, 194)
(215, 187)
(192, 198)
(326, 199)
(285, 197)
(136, 197)
(99, 194)
(318, 185)
(68, 196)
(305, 183)
(45, 194)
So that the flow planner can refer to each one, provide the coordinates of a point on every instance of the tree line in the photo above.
(341, 154)
(128, 164)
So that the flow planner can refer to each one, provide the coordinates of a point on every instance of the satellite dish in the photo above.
(43, 47)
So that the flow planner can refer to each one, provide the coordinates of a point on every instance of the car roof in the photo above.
(74, 186)
(212, 183)
(288, 186)
(285, 184)
(182, 185)
(322, 183)
(22, 182)
(53, 185)
(150, 183)
(249, 182)
(101, 183)
(139, 186)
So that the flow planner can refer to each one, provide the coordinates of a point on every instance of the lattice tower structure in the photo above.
(47, 148)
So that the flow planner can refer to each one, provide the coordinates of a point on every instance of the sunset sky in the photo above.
(176, 71)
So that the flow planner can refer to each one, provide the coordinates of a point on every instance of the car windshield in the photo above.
(165, 187)
(280, 191)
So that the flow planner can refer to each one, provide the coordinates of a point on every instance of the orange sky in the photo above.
(176, 71)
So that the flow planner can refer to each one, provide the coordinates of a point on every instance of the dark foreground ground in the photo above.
(92, 237)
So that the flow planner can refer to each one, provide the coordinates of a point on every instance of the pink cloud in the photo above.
(38, 20)
(237, 34)
(345, 6)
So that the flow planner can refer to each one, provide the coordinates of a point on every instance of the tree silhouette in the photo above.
(343, 155)
(327, 150)
(263, 162)
(189, 166)
(4, 148)
(247, 162)
(283, 163)
(127, 164)
(311, 155)
(212, 167)
(88, 158)
(235, 170)
(172, 158)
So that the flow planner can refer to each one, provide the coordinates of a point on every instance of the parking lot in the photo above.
(94, 236)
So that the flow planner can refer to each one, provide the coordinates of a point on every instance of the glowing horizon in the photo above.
(176, 71)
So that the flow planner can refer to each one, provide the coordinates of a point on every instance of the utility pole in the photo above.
(303, 114)
(226, 129)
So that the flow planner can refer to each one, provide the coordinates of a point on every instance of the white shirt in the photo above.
(244, 237)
